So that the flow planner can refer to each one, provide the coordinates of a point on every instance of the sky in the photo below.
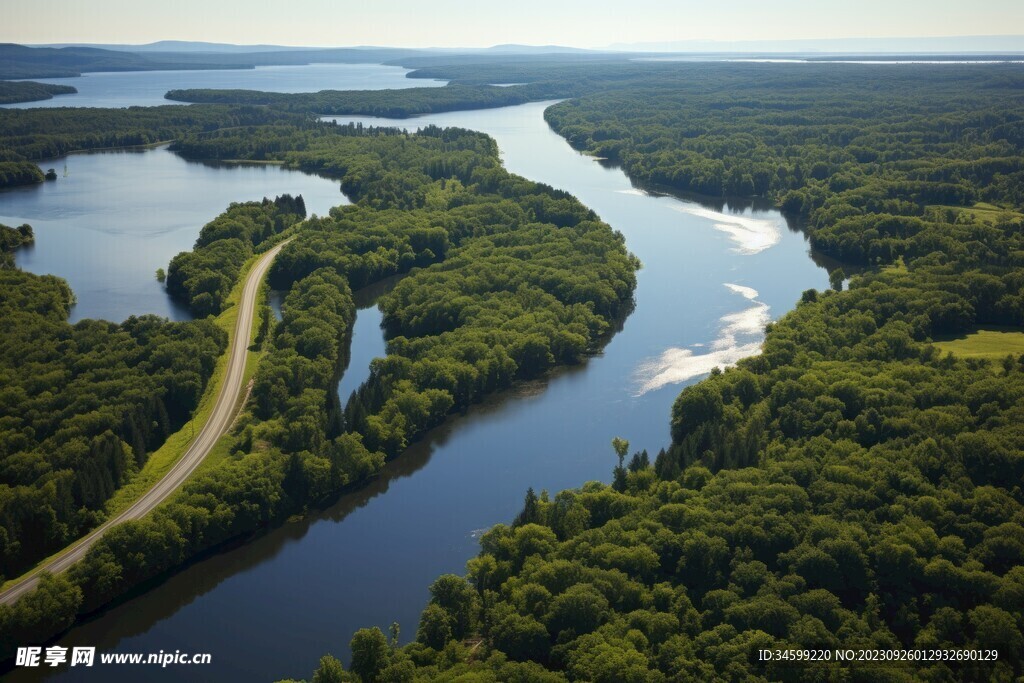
(482, 23)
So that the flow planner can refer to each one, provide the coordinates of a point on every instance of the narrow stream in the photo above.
(712, 277)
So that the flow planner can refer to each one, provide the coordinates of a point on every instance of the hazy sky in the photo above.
(468, 23)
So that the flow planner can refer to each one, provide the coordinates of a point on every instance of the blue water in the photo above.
(147, 88)
(118, 216)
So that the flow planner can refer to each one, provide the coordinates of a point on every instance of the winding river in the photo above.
(713, 275)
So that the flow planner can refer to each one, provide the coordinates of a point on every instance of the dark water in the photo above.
(367, 344)
(367, 341)
(367, 336)
(147, 88)
(712, 277)
(118, 216)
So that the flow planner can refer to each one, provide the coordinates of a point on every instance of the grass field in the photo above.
(993, 343)
(985, 213)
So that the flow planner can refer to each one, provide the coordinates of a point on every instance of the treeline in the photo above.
(28, 135)
(588, 72)
(20, 61)
(387, 103)
(82, 407)
(10, 240)
(30, 91)
(203, 278)
(13, 173)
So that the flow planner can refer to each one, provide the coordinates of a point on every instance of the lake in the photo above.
(147, 88)
(713, 275)
(119, 215)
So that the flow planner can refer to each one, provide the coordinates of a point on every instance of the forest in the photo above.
(82, 407)
(852, 486)
(203, 278)
(530, 278)
(506, 278)
(29, 91)
(85, 404)
(387, 103)
(11, 239)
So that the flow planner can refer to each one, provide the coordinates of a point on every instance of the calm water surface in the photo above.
(118, 216)
(712, 277)
(147, 88)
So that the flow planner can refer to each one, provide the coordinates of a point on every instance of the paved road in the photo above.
(220, 420)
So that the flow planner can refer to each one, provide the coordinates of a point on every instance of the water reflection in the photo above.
(119, 215)
(740, 337)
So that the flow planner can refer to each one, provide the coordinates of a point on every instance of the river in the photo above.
(713, 276)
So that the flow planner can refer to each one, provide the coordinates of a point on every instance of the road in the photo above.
(220, 420)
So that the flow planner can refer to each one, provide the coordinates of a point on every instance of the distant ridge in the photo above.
(546, 49)
(907, 45)
(19, 61)
(194, 46)
(181, 46)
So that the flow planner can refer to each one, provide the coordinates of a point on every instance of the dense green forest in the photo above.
(203, 278)
(10, 240)
(29, 91)
(506, 278)
(850, 487)
(530, 277)
(82, 407)
(18, 171)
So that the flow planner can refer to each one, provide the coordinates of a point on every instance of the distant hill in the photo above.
(181, 46)
(193, 46)
(919, 45)
(290, 56)
(19, 61)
